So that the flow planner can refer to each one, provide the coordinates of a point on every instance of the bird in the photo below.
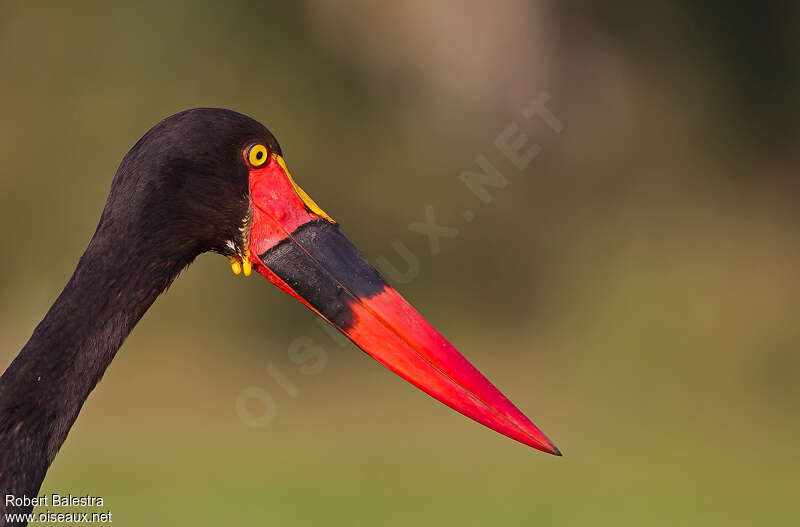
(215, 180)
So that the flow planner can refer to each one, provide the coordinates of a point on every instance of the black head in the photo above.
(183, 189)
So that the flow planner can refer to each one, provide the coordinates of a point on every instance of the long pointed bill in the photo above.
(312, 261)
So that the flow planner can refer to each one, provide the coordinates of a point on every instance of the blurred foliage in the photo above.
(633, 290)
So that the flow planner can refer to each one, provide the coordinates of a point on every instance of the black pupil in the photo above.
(259, 155)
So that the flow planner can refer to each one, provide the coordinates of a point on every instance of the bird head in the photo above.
(215, 180)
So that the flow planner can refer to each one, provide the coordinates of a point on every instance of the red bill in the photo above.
(299, 248)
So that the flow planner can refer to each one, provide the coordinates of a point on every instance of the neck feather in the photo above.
(45, 386)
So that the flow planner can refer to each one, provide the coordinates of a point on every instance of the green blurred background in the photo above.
(633, 290)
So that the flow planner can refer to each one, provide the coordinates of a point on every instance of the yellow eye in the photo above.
(257, 155)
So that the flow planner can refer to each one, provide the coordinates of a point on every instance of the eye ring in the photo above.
(257, 155)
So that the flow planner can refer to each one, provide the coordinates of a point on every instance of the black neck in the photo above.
(45, 386)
